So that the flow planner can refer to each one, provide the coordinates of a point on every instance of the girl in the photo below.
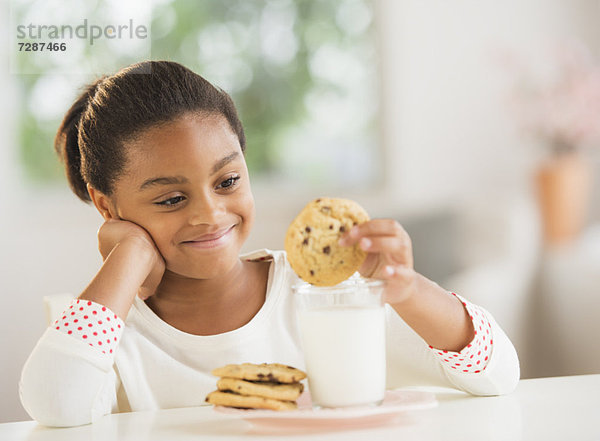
(159, 151)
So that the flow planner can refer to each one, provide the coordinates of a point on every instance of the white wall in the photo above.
(446, 124)
(448, 141)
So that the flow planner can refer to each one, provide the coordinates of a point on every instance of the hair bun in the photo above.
(66, 141)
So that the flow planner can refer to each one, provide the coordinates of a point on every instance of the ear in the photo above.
(103, 203)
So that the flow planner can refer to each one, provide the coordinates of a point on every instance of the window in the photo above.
(303, 75)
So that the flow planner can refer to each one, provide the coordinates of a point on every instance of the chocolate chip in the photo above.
(331, 227)
(327, 249)
(305, 241)
(342, 229)
(307, 229)
(354, 223)
(312, 273)
(318, 200)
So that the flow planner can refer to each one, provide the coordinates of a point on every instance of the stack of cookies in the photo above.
(257, 386)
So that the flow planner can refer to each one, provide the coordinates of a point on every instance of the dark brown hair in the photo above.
(114, 109)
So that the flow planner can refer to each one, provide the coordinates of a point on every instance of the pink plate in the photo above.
(394, 403)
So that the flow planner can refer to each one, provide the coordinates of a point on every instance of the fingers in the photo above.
(375, 227)
(389, 256)
(398, 277)
(384, 244)
(143, 293)
(153, 279)
(384, 237)
(399, 272)
(400, 283)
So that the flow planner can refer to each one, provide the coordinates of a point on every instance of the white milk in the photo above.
(344, 350)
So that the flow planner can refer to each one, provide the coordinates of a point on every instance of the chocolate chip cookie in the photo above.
(276, 391)
(268, 372)
(311, 242)
(230, 399)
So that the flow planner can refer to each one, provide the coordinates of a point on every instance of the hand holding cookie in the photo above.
(389, 256)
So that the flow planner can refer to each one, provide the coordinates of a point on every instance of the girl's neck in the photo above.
(212, 306)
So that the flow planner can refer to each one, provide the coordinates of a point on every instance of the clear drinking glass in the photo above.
(342, 330)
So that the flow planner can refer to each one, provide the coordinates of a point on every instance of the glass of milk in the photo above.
(342, 331)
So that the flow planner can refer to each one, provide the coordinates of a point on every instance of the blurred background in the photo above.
(474, 124)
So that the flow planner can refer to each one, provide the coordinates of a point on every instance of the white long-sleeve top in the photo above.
(90, 363)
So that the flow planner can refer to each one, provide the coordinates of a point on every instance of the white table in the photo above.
(560, 408)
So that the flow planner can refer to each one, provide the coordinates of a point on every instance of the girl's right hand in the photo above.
(114, 232)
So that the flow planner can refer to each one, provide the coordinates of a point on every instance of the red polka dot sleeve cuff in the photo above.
(475, 356)
(91, 323)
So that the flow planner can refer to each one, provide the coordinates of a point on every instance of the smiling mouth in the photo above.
(211, 241)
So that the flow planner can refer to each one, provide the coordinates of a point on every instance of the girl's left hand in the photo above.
(389, 256)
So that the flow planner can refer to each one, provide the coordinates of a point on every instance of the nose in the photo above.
(206, 209)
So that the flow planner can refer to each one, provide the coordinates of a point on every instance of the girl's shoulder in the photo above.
(280, 270)
(261, 255)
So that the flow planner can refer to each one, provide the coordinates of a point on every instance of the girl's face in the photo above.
(186, 183)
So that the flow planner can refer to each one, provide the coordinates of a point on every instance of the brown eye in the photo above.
(228, 183)
(171, 201)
